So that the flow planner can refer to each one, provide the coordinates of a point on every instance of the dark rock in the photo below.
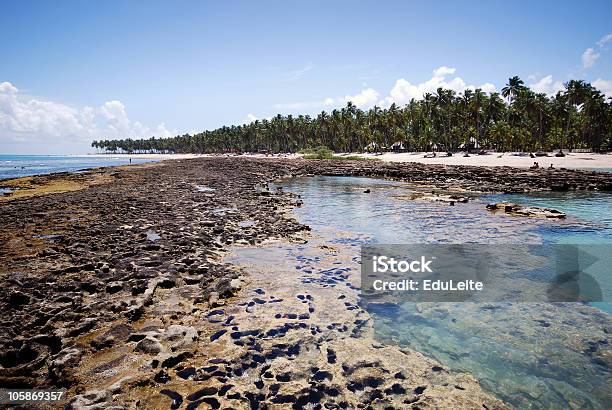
(150, 345)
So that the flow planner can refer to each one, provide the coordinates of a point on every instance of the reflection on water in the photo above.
(530, 355)
(152, 235)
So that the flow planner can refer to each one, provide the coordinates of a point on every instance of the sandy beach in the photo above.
(571, 160)
(522, 160)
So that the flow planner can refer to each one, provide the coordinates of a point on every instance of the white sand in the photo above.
(571, 160)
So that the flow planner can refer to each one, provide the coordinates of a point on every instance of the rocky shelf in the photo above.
(111, 287)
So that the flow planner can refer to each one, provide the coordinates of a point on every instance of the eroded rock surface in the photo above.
(117, 291)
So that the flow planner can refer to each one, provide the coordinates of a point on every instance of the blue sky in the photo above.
(73, 71)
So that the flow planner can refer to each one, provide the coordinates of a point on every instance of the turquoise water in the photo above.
(15, 166)
(531, 355)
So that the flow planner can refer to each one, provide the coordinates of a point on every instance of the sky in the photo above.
(75, 71)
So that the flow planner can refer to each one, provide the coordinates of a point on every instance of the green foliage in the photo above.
(317, 153)
(326, 153)
(580, 116)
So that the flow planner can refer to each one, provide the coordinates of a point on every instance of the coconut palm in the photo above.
(513, 88)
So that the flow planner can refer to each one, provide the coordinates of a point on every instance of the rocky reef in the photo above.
(115, 289)
(520, 210)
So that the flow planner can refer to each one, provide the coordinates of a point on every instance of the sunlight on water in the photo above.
(531, 355)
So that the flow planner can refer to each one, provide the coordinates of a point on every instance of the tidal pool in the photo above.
(530, 355)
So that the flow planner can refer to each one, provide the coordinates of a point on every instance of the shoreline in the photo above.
(491, 179)
(113, 287)
(572, 160)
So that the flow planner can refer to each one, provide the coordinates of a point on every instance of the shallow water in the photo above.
(537, 355)
(16, 166)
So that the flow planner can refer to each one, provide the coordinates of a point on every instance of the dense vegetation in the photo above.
(580, 116)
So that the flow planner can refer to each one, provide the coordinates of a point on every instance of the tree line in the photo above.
(518, 119)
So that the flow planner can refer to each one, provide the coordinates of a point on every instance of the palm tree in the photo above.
(576, 92)
(513, 88)
(580, 116)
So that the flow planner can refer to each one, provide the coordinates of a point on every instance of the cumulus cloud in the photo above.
(546, 85)
(25, 118)
(604, 86)
(403, 91)
(589, 57)
(488, 88)
(364, 99)
(444, 70)
(20, 117)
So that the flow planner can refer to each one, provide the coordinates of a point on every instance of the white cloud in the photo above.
(443, 71)
(249, 119)
(603, 85)
(163, 132)
(602, 42)
(364, 99)
(25, 118)
(546, 85)
(589, 57)
(403, 91)
(488, 88)
(19, 117)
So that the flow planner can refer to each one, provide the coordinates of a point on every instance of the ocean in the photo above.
(16, 166)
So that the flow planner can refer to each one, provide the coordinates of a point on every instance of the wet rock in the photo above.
(149, 345)
(217, 335)
(177, 399)
(114, 287)
(530, 211)
(228, 287)
(175, 359)
(206, 391)
(18, 299)
(179, 336)
(116, 334)
(61, 367)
